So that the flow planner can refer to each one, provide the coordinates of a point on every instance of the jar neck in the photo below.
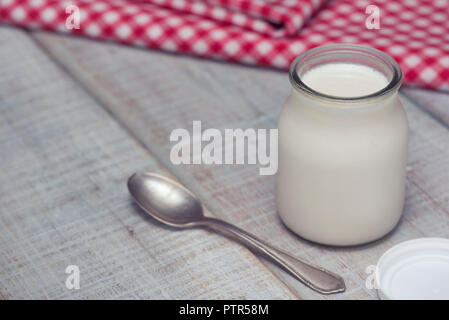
(367, 106)
(374, 59)
(361, 113)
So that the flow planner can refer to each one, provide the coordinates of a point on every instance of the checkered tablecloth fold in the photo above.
(269, 33)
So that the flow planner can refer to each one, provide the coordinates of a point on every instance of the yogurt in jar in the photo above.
(345, 79)
(343, 137)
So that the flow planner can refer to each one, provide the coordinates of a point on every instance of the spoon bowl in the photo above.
(166, 200)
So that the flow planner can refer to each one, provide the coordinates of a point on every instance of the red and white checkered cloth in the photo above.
(258, 32)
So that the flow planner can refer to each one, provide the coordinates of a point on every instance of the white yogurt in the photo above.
(342, 165)
(345, 79)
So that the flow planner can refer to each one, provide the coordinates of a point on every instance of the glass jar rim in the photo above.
(393, 84)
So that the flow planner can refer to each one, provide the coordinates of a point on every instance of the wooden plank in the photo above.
(153, 93)
(434, 102)
(64, 163)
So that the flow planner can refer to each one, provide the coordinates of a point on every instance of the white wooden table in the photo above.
(78, 117)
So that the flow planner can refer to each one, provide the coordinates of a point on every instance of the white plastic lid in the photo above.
(415, 270)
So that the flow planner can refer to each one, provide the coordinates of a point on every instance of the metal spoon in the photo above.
(171, 203)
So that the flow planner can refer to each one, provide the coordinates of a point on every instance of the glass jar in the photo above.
(342, 159)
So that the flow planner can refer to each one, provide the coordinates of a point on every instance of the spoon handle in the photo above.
(317, 278)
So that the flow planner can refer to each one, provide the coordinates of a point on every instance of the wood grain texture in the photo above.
(152, 93)
(436, 103)
(64, 162)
